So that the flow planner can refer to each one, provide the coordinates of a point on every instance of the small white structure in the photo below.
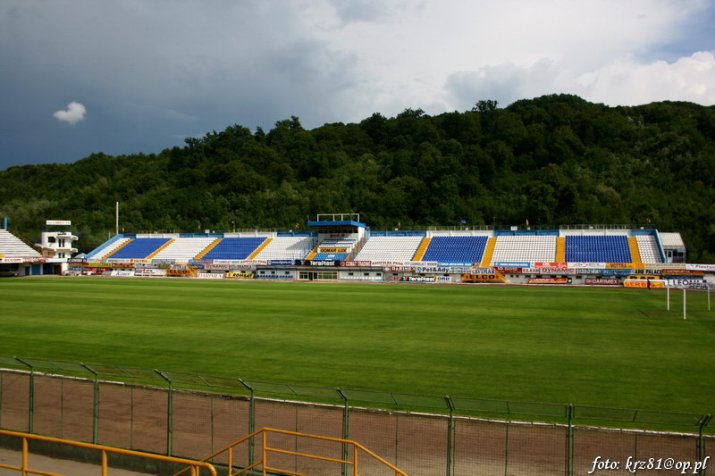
(58, 243)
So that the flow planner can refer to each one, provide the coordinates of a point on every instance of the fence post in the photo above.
(569, 439)
(31, 397)
(701, 441)
(346, 430)
(450, 436)
(251, 420)
(95, 405)
(170, 412)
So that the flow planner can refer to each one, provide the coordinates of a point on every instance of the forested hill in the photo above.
(551, 160)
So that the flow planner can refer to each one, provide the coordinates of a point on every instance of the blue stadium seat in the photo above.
(139, 248)
(234, 248)
(456, 249)
(598, 249)
(330, 257)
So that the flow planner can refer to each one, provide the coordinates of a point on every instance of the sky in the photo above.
(131, 76)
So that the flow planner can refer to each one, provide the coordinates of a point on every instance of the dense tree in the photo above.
(551, 160)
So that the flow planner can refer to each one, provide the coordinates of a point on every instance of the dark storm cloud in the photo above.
(152, 73)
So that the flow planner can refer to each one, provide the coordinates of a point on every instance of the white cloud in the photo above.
(627, 82)
(72, 114)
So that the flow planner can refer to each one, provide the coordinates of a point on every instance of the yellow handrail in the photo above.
(24, 469)
(267, 450)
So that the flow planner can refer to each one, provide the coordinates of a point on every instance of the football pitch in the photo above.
(587, 346)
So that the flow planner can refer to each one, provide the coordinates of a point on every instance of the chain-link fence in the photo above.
(195, 416)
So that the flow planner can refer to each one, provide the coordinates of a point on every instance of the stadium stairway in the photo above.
(114, 251)
(260, 248)
(162, 247)
(313, 253)
(635, 253)
(208, 249)
(422, 249)
(488, 252)
(560, 249)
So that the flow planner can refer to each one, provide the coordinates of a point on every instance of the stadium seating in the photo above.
(139, 248)
(648, 248)
(287, 248)
(597, 249)
(13, 247)
(330, 257)
(235, 248)
(456, 249)
(525, 248)
(184, 249)
(389, 248)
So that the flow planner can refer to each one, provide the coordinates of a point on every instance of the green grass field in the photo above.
(602, 347)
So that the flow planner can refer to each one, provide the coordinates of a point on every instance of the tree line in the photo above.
(547, 161)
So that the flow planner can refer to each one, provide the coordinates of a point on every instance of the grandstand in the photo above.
(345, 249)
(598, 249)
(289, 248)
(13, 247)
(464, 250)
(17, 258)
(184, 249)
(234, 248)
(488, 248)
(390, 248)
(524, 248)
(139, 248)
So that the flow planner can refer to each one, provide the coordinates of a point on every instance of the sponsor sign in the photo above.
(619, 265)
(549, 280)
(216, 267)
(280, 262)
(482, 271)
(603, 281)
(12, 260)
(333, 250)
(322, 263)
(586, 265)
(615, 272)
(512, 264)
(508, 270)
(356, 264)
(419, 279)
(210, 276)
(239, 275)
(59, 222)
(483, 278)
(124, 273)
(150, 272)
(701, 267)
(686, 283)
(431, 269)
(549, 270)
(539, 264)
(643, 284)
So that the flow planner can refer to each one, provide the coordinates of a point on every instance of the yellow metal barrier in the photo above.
(263, 465)
(24, 469)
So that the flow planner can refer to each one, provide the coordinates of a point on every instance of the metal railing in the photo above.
(194, 467)
(191, 415)
(264, 463)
